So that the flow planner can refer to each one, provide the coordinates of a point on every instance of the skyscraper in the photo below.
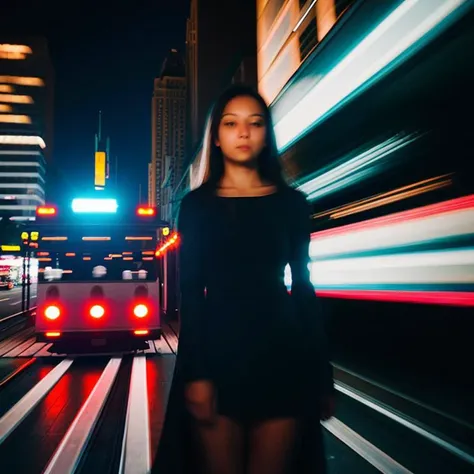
(26, 125)
(168, 134)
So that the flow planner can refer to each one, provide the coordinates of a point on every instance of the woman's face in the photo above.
(242, 130)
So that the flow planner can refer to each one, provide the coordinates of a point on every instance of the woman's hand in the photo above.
(201, 400)
(328, 406)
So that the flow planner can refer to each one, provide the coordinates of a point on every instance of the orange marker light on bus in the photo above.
(146, 211)
(46, 211)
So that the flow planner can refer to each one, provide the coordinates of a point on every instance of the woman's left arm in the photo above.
(302, 290)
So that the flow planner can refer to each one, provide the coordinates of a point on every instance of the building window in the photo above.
(308, 39)
(270, 13)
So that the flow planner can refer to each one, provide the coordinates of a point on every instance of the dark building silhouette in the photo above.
(220, 50)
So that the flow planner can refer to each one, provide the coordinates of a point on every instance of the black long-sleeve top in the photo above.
(236, 313)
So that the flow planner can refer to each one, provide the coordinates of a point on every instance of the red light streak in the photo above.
(453, 205)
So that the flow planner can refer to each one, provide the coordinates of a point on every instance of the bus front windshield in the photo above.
(90, 253)
(94, 266)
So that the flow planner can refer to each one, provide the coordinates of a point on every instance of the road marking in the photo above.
(18, 412)
(16, 372)
(17, 350)
(72, 447)
(171, 338)
(367, 401)
(373, 455)
(11, 342)
(14, 315)
(406, 397)
(135, 456)
(161, 346)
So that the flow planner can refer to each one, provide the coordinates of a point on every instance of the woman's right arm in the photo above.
(192, 283)
(199, 391)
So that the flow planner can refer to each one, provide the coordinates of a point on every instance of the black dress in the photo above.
(263, 348)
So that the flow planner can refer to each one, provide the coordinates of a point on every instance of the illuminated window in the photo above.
(15, 48)
(22, 81)
(16, 99)
(280, 34)
(6, 88)
(15, 119)
(14, 51)
(22, 140)
(5, 108)
(280, 71)
(13, 56)
(269, 15)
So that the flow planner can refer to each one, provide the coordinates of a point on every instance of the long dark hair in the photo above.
(211, 166)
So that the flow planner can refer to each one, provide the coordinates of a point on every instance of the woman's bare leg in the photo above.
(222, 447)
(270, 446)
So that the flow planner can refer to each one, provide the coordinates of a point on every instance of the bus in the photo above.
(97, 272)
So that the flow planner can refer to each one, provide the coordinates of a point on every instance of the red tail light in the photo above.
(97, 311)
(146, 211)
(46, 211)
(140, 310)
(52, 312)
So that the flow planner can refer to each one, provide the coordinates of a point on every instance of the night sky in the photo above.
(105, 58)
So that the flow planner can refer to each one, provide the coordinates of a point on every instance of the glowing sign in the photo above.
(166, 231)
(24, 235)
(94, 205)
(100, 168)
(10, 248)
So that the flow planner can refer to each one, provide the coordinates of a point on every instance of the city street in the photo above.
(10, 301)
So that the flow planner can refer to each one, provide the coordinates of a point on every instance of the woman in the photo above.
(252, 377)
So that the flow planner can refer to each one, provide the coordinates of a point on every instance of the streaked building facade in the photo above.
(317, 56)
(168, 134)
(370, 125)
(287, 33)
(26, 125)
